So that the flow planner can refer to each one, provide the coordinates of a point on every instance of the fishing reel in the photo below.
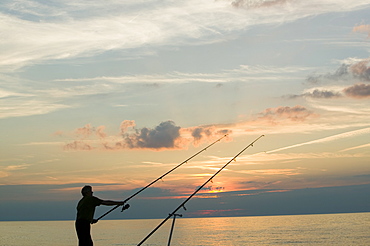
(124, 207)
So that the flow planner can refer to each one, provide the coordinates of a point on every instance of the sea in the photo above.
(320, 229)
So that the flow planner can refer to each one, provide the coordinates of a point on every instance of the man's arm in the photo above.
(111, 203)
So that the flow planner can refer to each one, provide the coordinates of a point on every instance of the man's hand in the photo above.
(94, 221)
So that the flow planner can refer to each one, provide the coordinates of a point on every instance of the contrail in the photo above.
(327, 139)
(134, 18)
(357, 147)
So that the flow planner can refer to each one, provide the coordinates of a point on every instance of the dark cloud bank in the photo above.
(343, 199)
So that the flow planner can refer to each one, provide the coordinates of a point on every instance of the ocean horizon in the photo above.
(310, 229)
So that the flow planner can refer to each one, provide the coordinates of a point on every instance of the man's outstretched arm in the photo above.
(112, 203)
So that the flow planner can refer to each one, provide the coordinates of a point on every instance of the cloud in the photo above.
(340, 73)
(358, 91)
(26, 106)
(167, 135)
(361, 69)
(16, 167)
(6, 171)
(20, 99)
(317, 93)
(350, 69)
(100, 131)
(71, 30)
(257, 3)
(85, 131)
(288, 172)
(296, 113)
(259, 202)
(323, 94)
(3, 174)
(206, 132)
(362, 29)
(126, 124)
(243, 73)
(78, 145)
(42, 143)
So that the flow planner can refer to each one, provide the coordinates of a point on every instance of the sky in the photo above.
(114, 94)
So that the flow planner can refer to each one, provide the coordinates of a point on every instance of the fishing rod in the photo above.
(154, 181)
(182, 205)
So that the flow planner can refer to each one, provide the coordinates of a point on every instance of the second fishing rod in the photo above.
(182, 205)
(154, 181)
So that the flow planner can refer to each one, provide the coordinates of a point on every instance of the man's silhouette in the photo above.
(85, 214)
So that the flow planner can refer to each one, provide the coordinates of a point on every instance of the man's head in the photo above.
(87, 190)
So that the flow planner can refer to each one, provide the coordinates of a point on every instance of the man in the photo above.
(85, 214)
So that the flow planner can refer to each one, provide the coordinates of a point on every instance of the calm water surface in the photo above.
(327, 229)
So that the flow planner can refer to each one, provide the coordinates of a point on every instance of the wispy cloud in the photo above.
(6, 171)
(356, 147)
(283, 171)
(66, 33)
(42, 143)
(56, 95)
(16, 167)
(21, 99)
(243, 73)
(18, 107)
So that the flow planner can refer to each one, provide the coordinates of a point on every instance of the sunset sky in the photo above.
(116, 93)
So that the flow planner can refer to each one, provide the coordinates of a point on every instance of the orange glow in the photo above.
(221, 212)
(162, 197)
(215, 191)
